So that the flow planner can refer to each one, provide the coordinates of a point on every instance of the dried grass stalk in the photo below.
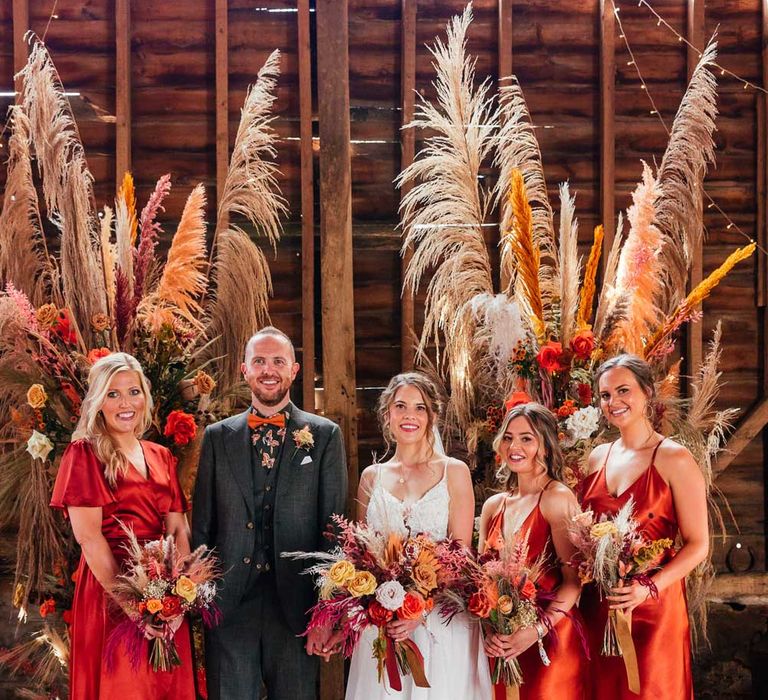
(587, 294)
(570, 265)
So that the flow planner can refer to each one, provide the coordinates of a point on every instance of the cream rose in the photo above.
(39, 446)
(390, 595)
(185, 588)
(599, 530)
(363, 583)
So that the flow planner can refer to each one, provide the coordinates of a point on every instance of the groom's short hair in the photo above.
(275, 333)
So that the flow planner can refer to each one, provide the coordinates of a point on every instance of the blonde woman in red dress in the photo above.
(107, 476)
(535, 503)
(670, 501)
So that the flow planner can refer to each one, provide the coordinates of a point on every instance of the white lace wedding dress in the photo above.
(454, 661)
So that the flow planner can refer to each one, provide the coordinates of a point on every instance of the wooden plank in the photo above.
(607, 126)
(20, 47)
(749, 427)
(336, 272)
(505, 70)
(307, 209)
(408, 146)
(122, 89)
(747, 589)
(222, 100)
(694, 350)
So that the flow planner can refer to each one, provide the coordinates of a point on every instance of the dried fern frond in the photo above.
(606, 315)
(587, 294)
(108, 263)
(24, 258)
(518, 149)
(183, 278)
(681, 176)
(67, 187)
(570, 265)
(237, 259)
(126, 227)
(523, 248)
(638, 275)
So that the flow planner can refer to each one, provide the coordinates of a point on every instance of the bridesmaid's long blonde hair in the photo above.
(91, 426)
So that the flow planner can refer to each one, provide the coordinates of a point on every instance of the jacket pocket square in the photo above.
(307, 459)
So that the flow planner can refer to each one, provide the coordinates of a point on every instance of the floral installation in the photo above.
(609, 551)
(303, 438)
(159, 586)
(109, 287)
(543, 331)
(371, 578)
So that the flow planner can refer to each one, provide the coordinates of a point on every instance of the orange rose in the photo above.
(528, 591)
(479, 605)
(181, 427)
(567, 409)
(412, 608)
(48, 607)
(154, 605)
(550, 357)
(96, 354)
(515, 399)
(583, 344)
(378, 614)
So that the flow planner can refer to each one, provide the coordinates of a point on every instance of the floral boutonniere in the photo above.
(303, 439)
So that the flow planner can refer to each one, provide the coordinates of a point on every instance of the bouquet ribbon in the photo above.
(623, 623)
(415, 663)
(505, 692)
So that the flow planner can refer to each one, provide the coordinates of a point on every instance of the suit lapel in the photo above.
(290, 455)
(238, 448)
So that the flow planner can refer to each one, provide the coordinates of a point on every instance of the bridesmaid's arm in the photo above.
(177, 526)
(461, 516)
(489, 508)
(677, 467)
(364, 489)
(86, 525)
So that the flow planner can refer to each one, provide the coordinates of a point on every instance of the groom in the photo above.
(269, 481)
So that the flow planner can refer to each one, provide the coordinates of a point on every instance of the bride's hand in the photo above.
(151, 632)
(507, 646)
(400, 630)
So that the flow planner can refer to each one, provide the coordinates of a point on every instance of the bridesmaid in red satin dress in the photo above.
(107, 475)
(669, 493)
(540, 505)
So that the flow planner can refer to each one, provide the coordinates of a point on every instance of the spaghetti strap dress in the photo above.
(660, 628)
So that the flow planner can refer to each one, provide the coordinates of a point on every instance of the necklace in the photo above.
(416, 465)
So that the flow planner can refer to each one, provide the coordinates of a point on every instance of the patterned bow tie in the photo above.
(254, 421)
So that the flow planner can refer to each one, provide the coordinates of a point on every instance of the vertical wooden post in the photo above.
(694, 350)
(505, 70)
(337, 301)
(607, 131)
(408, 146)
(222, 100)
(20, 47)
(122, 89)
(307, 210)
(762, 183)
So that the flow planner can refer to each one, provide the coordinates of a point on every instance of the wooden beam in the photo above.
(749, 427)
(694, 350)
(222, 100)
(505, 71)
(747, 589)
(607, 126)
(307, 210)
(20, 47)
(408, 151)
(337, 289)
(122, 89)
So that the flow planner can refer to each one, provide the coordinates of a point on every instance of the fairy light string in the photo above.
(711, 204)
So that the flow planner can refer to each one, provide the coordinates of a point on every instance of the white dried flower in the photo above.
(584, 423)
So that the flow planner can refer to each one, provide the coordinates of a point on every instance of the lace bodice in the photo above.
(428, 515)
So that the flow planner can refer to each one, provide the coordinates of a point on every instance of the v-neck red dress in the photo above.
(566, 678)
(141, 504)
(660, 627)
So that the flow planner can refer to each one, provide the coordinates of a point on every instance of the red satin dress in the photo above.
(659, 627)
(141, 504)
(566, 677)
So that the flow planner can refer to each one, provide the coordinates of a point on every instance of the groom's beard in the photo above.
(272, 397)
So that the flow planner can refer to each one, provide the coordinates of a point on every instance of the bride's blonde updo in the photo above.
(91, 426)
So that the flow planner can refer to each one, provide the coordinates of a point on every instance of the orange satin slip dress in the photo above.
(659, 627)
(141, 504)
(567, 676)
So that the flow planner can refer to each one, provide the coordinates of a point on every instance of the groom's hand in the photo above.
(321, 642)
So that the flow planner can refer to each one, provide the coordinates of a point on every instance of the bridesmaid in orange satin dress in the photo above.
(107, 474)
(670, 499)
(536, 502)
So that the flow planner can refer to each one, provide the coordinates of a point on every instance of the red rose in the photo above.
(585, 394)
(412, 607)
(516, 398)
(550, 357)
(528, 591)
(583, 344)
(479, 604)
(171, 607)
(62, 327)
(48, 607)
(67, 617)
(181, 427)
(97, 353)
(378, 614)
(72, 396)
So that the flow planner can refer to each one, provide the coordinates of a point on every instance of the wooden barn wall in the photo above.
(555, 54)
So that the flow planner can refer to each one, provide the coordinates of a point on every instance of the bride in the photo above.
(420, 490)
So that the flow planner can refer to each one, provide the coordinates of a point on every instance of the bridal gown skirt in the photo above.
(454, 663)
